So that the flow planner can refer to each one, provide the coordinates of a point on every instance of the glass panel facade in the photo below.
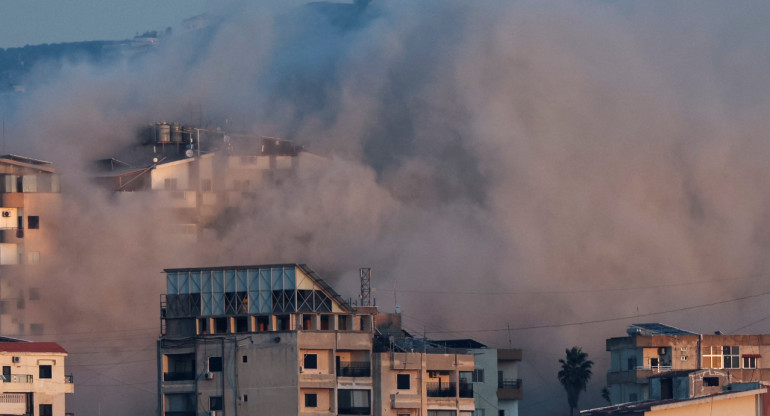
(258, 290)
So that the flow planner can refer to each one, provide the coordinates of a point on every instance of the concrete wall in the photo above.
(740, 406)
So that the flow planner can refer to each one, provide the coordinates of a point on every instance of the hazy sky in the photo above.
(33, 22)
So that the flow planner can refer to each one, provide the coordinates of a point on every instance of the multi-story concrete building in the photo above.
(497, 387)
(659, 361)
(30, 205)
(744, 399)
(34, 382)
(202, 177)
(277, 340)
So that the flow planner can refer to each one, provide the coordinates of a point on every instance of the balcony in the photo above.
(179, 376)
(441, 389)
(68, 379)
(509, 389)
(17, 378)
(354, 369)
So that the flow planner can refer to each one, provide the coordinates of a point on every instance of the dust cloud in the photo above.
(534, 174)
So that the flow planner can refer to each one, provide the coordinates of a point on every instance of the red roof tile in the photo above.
(41, 347)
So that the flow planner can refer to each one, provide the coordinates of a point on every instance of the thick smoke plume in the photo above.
(540, 172)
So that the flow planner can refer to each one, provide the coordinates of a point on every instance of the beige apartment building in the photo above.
(30, 206)
(201, 177)
(33, 381)
(276, 340)
(656, 361)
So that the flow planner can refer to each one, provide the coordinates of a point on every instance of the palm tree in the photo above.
(574, 375)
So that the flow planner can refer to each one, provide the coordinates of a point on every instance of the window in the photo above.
(215, 364)
(45, 371)
(216, 403)
(46, 410)
(206, 185)
(402, 382)
(632, 397)
(169, 184)
(712, 357)
(749, 362)
(311, 400)
(450, 412)
(732, 357)
(353, 402)
(310, 361)
(478, 412)
(478, 376)
(245, 397)
(711, 381)
(632, 363)
(33, 222)
(245, 358)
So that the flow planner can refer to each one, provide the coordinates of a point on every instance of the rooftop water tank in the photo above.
(162, 132)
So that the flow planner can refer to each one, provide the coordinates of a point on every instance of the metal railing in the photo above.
(178, 376)
(441, 389)
(509, 383)
(354, 369)
(466, 390)
(354, 411)
(654, 368)
(17, 378)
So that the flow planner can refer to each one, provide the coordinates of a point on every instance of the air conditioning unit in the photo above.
(6, 214)
(209, 375)
(16, 359)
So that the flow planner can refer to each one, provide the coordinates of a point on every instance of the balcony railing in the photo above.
(184, 413)
(655, 368)
(354, 369)
(68, 379)
(509, 383)
(178, 376)
(442, 389)
(17, 378)
(466, 390)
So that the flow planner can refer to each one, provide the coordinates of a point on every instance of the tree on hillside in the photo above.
(574, 374)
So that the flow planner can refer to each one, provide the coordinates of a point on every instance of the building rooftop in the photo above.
(656, 329)
(460, 343)
(39, 347)
(640, 408)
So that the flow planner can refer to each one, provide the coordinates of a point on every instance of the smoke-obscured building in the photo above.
(277, 340)
(34, 381)
(30, 205)
(202, 176)
(656, 361)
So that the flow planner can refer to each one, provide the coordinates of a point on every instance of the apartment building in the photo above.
(277, 340)
(30, 205)
(33, 382)
(202, 177)
(742, 399)
(497, 387)
(660, 361)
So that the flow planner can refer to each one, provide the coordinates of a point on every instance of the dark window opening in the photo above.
(311, 400)
(711, 381)
(216, 403)
(245, 397)
(203, 326)
(310, 361)
(242, 324)
(215, 364)
(245, 358)
(282, 323)
(46, 410)
(33, 222)
(631, 363)
(307, 322)
(262, 323)
(402, 382)
(220, 325)
(45, 371)
(325, 319)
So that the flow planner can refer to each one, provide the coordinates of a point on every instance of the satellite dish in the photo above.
(188, 153)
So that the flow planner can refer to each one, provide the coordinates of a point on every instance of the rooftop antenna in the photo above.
(366, 286)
